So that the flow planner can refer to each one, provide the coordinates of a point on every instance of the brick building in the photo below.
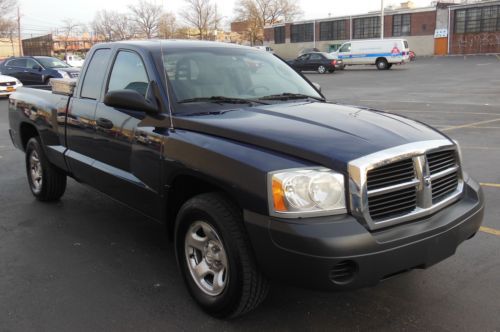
(472, 28)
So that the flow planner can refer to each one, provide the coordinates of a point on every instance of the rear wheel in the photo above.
(215, 257)
(47, 183)
(321, 69)
(381, 64)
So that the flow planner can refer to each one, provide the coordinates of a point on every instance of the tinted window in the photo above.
(17, 63)
(128, 73)
(94, 77)
(31, 64)
(315, 57)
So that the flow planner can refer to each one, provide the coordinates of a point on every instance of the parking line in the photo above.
(489, 230)
(470, 125)
(493, 185)
(444, 112)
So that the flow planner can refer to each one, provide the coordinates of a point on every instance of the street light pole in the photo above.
(381, 19)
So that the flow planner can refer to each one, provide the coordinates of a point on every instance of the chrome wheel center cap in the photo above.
(211, 255)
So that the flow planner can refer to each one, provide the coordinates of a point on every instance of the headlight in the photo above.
(306, 192)
(63, 74)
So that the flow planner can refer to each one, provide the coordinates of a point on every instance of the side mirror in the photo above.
(37, 67)
(130, 100)
(317, 86)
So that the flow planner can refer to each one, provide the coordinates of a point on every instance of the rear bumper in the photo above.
(336, 253)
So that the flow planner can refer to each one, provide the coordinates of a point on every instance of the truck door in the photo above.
(127, 156)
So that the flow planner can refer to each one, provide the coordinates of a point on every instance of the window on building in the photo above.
(401, 25)
(332, 30)
(366, 27)
(301, 33)
(479, 19)
(279, 35)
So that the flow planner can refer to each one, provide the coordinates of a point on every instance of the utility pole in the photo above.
(382, 19)
(19, 32)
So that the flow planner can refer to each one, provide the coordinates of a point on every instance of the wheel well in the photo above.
(380, 59)
(182, 189)
(27, 132)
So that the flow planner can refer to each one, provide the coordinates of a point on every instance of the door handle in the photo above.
(104, 123)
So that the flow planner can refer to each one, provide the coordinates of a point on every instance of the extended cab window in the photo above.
(92, 83)
(128, 73)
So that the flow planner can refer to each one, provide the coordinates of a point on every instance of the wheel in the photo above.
(215, 258)
(321, 69)
(47, 183)
(331, 70)
(389, 66)
(381, 64)
(47, 81)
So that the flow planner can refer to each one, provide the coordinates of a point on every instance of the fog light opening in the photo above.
(344, 272)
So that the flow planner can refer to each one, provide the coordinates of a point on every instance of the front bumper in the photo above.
(335, 253)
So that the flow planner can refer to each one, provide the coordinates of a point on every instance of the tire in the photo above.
(47, 183)
(381, 64)
(322, 69)
(47, 81)
(389, 66)
(210, 237)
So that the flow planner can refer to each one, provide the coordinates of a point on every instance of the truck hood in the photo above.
(326, 134)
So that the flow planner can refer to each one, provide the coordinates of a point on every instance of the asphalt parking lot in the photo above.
(88, 263)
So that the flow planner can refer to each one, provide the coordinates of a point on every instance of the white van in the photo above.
(380, 52)
(74, 60)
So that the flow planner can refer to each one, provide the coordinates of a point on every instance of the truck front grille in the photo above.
(404, 187)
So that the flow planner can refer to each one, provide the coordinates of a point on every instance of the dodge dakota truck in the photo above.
(254, 174)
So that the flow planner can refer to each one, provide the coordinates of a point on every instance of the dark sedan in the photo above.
(314, 61)
(35, 70)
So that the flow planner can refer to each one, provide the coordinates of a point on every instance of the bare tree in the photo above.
(103, 25)
(168, 26)
(259, 13)
(112, 26)
(69, 29)
(7, 23)
(201, 15)
(123, 29)
(146, 16)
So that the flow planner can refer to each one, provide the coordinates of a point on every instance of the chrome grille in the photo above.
(404, 183)
(392, 174)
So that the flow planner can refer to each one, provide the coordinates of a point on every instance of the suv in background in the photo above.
(36, 70)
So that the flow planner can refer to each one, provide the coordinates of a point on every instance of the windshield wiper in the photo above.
(289, 96)
(222, 99)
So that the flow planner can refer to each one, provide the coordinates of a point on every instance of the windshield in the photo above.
(196, 73)
(52, 63)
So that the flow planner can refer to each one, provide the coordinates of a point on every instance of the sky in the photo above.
(41, 16)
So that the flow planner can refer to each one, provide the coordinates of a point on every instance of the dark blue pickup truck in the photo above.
(255, 175)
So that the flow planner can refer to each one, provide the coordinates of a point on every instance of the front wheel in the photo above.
(47, 183)
(215, 258)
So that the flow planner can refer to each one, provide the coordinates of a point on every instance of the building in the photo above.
(8, 47)
(444, 28)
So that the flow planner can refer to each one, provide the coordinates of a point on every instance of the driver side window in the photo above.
(345, 48)
(128, 73)
(303, 57)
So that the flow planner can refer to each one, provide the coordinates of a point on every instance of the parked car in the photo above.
(316, 61)
(33, 70)
(8, 85)
(380, 52)
(74, 60)
(254, 174)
